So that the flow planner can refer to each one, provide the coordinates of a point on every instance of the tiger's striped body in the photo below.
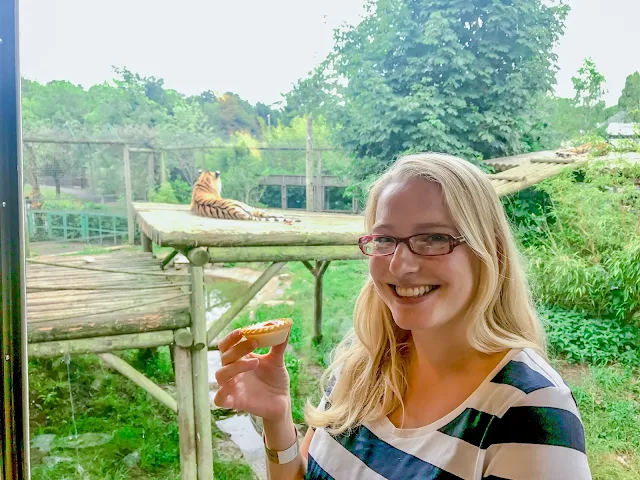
(207, 201)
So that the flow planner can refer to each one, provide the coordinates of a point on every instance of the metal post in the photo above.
(14, 424)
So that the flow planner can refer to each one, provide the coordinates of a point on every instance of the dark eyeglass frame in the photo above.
(453, 243)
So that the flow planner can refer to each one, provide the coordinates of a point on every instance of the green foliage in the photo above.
(440, 75)
(587, 256)
(164, 194)
(609, 405)
(182, 190)
(630, 98)
(580, 339)
(588, 84)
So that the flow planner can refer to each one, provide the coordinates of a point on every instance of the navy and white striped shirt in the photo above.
(522, 422)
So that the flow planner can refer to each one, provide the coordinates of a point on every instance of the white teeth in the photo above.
(414, 291)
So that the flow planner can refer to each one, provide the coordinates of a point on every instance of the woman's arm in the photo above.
(280, 435)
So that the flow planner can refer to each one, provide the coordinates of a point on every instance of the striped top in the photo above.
(522, 422)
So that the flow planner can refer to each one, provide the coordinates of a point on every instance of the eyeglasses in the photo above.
(425, 244)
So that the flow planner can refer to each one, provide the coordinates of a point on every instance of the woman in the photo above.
(444, 375)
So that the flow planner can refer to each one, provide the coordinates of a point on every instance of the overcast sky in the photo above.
(259, 48)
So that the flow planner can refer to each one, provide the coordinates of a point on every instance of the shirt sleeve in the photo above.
(540, 437)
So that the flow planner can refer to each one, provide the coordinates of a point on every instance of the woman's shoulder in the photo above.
(540, 420)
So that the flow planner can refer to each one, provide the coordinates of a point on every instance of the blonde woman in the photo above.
(444, 375)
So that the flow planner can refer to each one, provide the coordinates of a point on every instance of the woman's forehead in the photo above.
(414, 203)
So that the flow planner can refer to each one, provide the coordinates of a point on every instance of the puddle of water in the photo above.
(220, 293)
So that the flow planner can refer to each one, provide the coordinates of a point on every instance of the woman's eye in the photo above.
(383, 240)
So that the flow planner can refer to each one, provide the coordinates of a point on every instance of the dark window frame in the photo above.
(14, 425)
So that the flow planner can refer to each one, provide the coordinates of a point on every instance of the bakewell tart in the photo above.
(269, 333)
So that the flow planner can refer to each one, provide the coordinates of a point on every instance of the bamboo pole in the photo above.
(129, 195)
(139, 379)
(285, 253)
(186, 419)
(218, 325)
(204, 453)
(100, 344)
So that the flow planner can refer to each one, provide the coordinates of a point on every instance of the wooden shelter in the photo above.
(130, 302)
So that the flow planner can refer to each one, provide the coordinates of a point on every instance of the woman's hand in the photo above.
(256, 384)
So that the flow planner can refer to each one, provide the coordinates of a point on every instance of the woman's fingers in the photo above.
(229, 341)
(224, 399)
(230, 371)
(238, 351)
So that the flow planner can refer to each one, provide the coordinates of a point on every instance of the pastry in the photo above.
(269, 333)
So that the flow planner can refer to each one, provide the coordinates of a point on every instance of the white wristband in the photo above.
(282, 456)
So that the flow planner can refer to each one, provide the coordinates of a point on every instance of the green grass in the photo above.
(609, 402)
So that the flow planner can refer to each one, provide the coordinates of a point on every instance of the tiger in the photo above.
(207, 201)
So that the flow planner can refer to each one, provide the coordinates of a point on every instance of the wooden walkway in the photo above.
(117, 294)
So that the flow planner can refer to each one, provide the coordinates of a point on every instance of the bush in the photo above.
(580, 339)
(164, 194)
(584, 251)
(182, 190)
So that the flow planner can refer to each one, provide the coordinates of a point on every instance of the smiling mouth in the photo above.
(414, 292)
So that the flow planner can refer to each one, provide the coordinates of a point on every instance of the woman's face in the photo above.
(410, 208)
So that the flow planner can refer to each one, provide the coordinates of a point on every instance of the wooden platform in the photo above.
(75, 299)
(171, 225)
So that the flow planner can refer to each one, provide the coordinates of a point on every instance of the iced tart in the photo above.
(269, 333)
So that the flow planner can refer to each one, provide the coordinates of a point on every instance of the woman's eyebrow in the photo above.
(385, 226)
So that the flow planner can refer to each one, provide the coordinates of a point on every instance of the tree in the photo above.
(456, 76)
(588, 84)
(630, 99)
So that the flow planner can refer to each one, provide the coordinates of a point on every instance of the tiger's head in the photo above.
(208, 182)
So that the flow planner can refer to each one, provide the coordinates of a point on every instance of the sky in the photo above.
(256, 48)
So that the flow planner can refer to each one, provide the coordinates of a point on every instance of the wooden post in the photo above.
(186, 417)
(320, 186)
(139, 379)
(147, 243)
(167, 259)
(318, 275)
(204, 452)
(163, 167)
(128, 196)
(309, 176)
(283, 196)
(151, 175)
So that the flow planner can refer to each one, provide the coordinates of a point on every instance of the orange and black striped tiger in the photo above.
(207, 201)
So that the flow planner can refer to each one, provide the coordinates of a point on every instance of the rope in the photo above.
(106, 270)
(108, 311)
(64, 289)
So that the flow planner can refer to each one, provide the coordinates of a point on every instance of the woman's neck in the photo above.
(438, 354)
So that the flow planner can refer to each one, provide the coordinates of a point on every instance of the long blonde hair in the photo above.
(369, 367)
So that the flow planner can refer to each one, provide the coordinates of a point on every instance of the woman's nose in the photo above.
(403, 261)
